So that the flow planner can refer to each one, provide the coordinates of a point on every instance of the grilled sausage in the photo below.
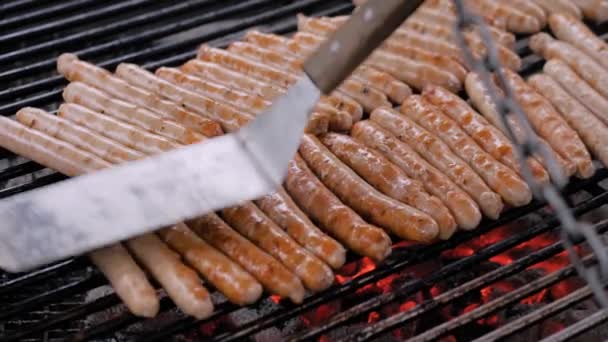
(264, 73)
(76, 70)
(335, 217)
(402, 220)
(76, 135)
(575, 32)
(181, 282)
(550, 125)
(241, 100)
(578, 88)
(267, 270)
(252, 223)
(560, 7)
(592, 72)
(269, 57)
(482, 101)
(124, 133)
(277, 43)
(285, 213)
(227, 276)
(514, 19)
(477, 127)
(389, 179)
(463, 208)
(396, 90)
(229, 117)
(501, 179)
(596, 10)
(593, 132)
(439, 155)
(531, 8)
(230, 78)
(84, 95)
(127, 279)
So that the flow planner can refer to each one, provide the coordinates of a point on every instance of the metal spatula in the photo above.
(87, 212)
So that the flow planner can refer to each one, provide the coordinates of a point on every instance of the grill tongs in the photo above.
(91, 211)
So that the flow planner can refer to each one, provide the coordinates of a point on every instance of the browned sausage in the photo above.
(551, 126)
(76, 70)
(500, 178)
(439, 155)
(400, 219)
(593, 132)
(84, 95)
(285, 213)
(482, 101)
(515, 20)
(335, 217)
(478, 128)
(227, 276)
(593, 9)
(560, 7)
(463, 208)
(181, 282)
(229, 117)
(252, 223)
(266, 269)
(390, 179)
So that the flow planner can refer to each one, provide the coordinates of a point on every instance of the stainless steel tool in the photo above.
(87, 212)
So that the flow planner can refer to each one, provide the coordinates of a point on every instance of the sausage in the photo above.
(477, 127)
(551, 126)
(514, 19)
(277, 43)
(285, 213)
(445, 63)
(402, 220)
(231, 96)
(127, 279)
(464, 210)
(436, 17)
(560, 7)
(575, 32)
(269, 272)
(482, 101)
(76, 70)
(439, 155)
(230, 78)
(396, 90)
(590, 71)
(389, 179)
(78, 136)
(181, 283)
(227, 276)
(368, 97)
(500, 178)
(415, 73)
(335, 217)
(596, 10)
(263, 72)
(228, 117)
(578, 88)
(252, 223)
(531, 8)
(269, 57)
(121, 132)
(508, 58)
(84, 95)
(593, 132)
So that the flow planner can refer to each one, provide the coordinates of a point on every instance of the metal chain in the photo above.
(529, 145)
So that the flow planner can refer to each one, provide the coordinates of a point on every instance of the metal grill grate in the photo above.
(55, 302)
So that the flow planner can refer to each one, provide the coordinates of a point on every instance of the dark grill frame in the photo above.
(25, 88)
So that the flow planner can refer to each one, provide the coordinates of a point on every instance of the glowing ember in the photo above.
(373, 317)
(355, 269)
(276, 299)
(407, 306)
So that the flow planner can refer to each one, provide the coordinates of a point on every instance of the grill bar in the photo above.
(38, 275)
(447, 297)
(579, 327)
(45, 12)
(12, 6)
(538, 315)
(19, 170)
(509, 298)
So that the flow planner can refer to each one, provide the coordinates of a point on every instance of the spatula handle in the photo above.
(354, 41)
